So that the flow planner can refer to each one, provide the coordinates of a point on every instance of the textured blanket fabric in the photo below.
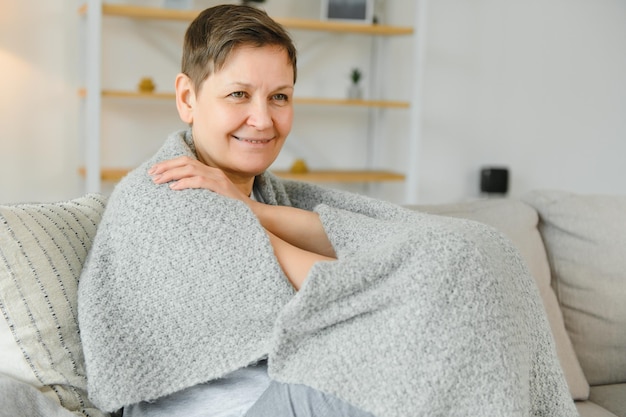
(420, 315)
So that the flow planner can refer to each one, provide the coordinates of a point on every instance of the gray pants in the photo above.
(294, 400)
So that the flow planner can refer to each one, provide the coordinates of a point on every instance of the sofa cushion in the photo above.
(585, 237)
(42, 250)
(612, 397)
(591, 409)
(24, 400)
(518, 222)
(12, 361)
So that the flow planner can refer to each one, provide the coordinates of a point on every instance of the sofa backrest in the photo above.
(518, 221)
(585, 238)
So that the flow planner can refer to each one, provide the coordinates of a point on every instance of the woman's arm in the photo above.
(295, 262)
(300, 228)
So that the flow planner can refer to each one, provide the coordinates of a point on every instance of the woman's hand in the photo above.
(185, 172)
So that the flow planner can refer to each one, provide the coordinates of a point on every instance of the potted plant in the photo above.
(354, 91)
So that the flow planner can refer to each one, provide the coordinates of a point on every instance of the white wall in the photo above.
(536, 85)
(39, 145)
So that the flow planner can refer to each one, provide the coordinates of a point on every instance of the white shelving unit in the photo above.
(94, 11)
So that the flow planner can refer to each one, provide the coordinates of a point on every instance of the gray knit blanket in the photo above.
(420, 315)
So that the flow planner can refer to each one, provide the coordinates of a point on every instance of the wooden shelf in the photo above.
(116, 174)
(342, 176)
(346, 102)
(108, 174)
(298, 100)
(157, 95)
(155, 13)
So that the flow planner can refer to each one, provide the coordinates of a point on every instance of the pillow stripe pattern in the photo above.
(42, 250)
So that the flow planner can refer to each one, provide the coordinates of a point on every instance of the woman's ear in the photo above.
(185, 98)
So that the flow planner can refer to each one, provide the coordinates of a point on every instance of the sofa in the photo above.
(574, 246)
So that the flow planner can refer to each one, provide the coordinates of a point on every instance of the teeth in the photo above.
(251, 141)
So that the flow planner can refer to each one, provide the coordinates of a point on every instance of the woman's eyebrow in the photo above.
(248, 85)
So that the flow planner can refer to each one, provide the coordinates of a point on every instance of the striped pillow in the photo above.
(42, 250)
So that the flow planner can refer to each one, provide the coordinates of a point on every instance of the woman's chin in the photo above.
(260, 171)
(253, 171)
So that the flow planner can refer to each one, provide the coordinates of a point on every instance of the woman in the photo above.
(238, 102)
(208, 274)
(235, 91)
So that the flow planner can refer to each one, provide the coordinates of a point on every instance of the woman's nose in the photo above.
(260, 116)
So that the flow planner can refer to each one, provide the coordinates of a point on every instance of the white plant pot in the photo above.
(355, 92)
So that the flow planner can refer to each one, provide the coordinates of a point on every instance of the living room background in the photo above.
(537, 86)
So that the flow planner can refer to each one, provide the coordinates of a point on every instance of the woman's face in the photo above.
(243, 113)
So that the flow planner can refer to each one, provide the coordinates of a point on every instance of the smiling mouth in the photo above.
(255, 141)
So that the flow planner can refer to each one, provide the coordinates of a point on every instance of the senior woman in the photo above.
(214, 288)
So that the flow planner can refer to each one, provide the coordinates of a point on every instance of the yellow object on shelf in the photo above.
(146, 85)
(299, 167)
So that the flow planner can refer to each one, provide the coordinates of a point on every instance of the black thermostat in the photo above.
(494, 180)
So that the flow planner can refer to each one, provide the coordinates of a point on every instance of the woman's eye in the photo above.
(281, 97)
(238, 94)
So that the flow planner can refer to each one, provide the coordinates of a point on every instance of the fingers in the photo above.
(190, 182)
(174, 174)
(185, 172)
(177, 169)
(161, 167)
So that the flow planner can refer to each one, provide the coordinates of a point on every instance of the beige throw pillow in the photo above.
(518, 222)
(585, 237)
(42, 250)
